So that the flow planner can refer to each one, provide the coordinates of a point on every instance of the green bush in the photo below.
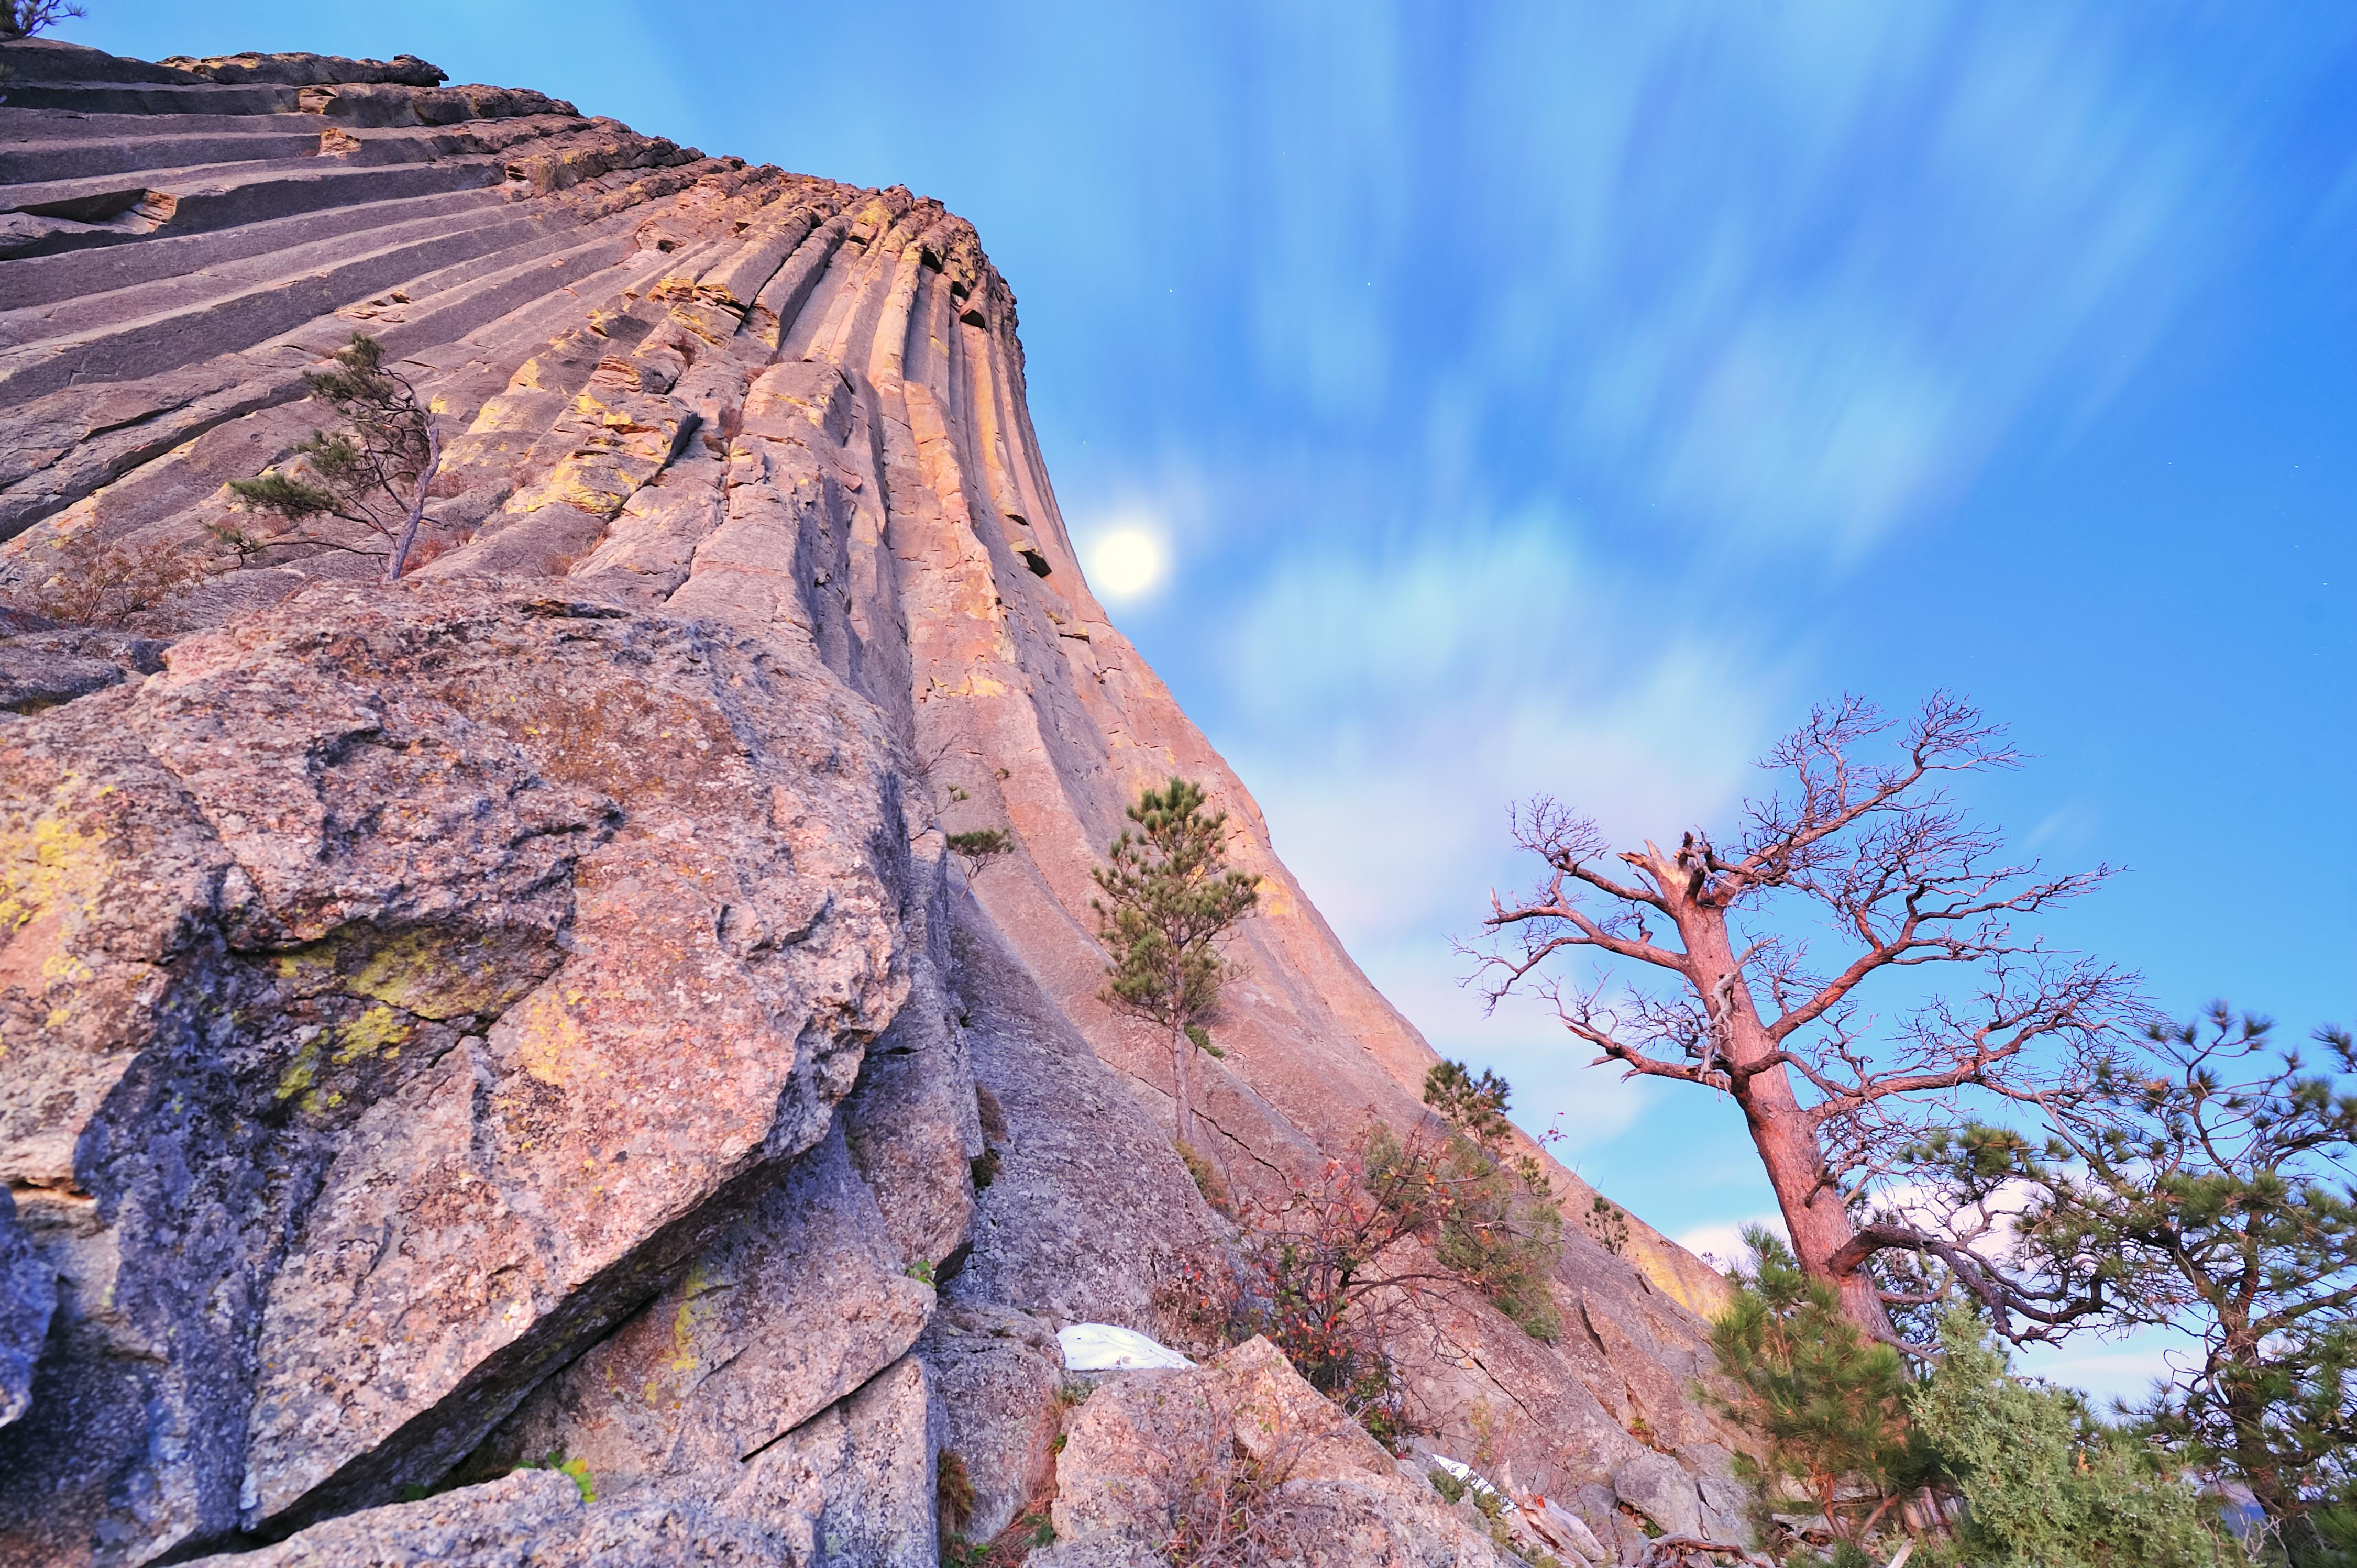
(1486, 1226)
(2045, 1484)
(1492, 1220)
(1207, 1179)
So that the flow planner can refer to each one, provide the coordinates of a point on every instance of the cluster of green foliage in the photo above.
(1168, 898)
(2205, 1183)
(1168, 901)
(373, 473)
(1494, 1220)
(1846, 1432)
(575, 1470)
(1208, 1182)
(2045, 1484)
(977, 849)
(1609, 1223)
(1828, 1404)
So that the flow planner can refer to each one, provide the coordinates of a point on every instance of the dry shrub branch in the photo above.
(1349, 1264)
(86, 582)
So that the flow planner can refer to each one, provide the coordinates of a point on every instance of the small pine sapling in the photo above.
(1828, 1404)
(975, 850)
(1607, 1222)
(373, 473)
(1498, 1224)
(1170, 900)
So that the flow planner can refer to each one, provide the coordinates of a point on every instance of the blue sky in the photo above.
(1562, 397)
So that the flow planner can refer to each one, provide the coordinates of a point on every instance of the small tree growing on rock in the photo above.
(373, 473)
(1493, 1219)
(977, 849)
(1169, 902)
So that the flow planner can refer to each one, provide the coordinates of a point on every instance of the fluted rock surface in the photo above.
(527, 1011)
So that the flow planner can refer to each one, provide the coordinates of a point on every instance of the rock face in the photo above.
(525, 1015)
(1246, 1445)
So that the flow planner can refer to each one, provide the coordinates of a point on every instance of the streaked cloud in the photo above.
(1785, 274)
(1389, 709)
(1722, 1245)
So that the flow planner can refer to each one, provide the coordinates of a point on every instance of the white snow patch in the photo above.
(1102, 1348)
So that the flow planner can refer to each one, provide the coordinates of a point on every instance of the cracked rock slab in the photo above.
(398, 989)
(1246, 1432)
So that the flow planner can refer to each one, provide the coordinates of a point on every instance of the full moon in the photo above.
(1127, 563)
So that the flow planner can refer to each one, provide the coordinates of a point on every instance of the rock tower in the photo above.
(515, 1035)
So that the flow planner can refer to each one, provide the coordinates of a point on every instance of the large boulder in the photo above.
(851, 1488)
(28, 1295)
(1243, 1447)
(399, 990)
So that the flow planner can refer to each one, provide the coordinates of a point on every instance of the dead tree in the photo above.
(1703, 973)
(23, 19)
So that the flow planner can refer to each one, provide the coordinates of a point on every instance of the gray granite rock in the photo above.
(1151, 1454)
(393, 1151)
(796, 1306)
(28, 1295)
(1663, 1491)
(1089, 1203)
(32, 679)
(997, 1374)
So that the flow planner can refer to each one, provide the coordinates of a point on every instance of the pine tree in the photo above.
(1497, 1223)
(2209, 1184)
(975, 851)
(23, 19)
(1828, 1404)
(373, 473)
(1170, 900)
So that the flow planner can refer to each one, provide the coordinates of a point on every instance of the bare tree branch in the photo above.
(1700, 971)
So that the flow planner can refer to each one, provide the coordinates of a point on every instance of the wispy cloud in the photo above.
(1787, 274)
(1391, 709)
(1722, 1245)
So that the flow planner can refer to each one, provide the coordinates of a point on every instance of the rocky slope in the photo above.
(527, 1015)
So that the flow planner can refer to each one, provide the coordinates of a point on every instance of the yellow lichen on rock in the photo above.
(51, 866)
(548, 1039)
